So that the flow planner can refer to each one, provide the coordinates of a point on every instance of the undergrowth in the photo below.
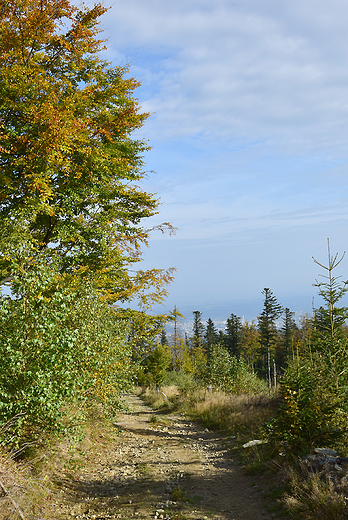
(310, 496)
(216, 410)
(31, 478)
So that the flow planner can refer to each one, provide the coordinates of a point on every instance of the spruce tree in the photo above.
(329, 320)
(197, 340)
(164, 340)
(268, 332)
(287, 333)
(232, 337)
(211, 336)
(175, 316)
(329, 335)
(198, 328)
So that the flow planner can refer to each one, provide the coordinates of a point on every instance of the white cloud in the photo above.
(263, 70)
(250, 135)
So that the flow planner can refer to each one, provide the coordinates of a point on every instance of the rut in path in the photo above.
(173, 470)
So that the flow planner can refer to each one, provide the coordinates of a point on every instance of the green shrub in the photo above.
(182, 380)
(310, 411)
(56, 348)
(155, 366)
(229, 374)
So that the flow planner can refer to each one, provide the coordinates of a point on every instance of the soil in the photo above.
(154, 466)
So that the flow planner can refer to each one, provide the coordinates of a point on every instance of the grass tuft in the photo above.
(312, 497)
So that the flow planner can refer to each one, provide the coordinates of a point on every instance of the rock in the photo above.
(252, 443)
(312, 463)
(331, 460)
(326, 462)
(325, 451)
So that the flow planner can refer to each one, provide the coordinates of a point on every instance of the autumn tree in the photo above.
(250, 344)
(70, 167)
(157, 363)
(305, 340)
(143, 331)
(71, 213)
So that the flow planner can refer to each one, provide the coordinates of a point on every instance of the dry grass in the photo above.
(23, 493)
(231, 412)
(33, 483)
(217, 410)
(312, 497)
(167, 399)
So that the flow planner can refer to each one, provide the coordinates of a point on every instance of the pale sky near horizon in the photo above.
(250, 143)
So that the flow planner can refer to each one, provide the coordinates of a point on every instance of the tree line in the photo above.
(266, 345)
(306, 361)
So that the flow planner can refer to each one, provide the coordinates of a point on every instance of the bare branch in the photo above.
(164, 228)
(6, 280)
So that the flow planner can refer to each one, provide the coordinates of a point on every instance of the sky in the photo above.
(249, 136)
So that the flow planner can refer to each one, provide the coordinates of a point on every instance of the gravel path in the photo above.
(170, 470)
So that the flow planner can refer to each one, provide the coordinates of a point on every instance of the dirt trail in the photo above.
(170, 470)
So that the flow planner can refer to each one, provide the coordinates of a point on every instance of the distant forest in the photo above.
(265, 348)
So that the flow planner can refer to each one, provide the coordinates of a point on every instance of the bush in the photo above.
(227, 373)
(56, 348)
(155, 366)
(310, 411)
(182, 380)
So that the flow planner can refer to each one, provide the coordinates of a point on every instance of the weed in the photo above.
(178, 494)
(311, 497)
(73, 464)
(143, 468)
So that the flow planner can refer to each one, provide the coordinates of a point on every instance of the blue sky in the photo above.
(249, 129)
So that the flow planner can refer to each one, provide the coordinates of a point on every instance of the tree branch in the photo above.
(6, 280)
